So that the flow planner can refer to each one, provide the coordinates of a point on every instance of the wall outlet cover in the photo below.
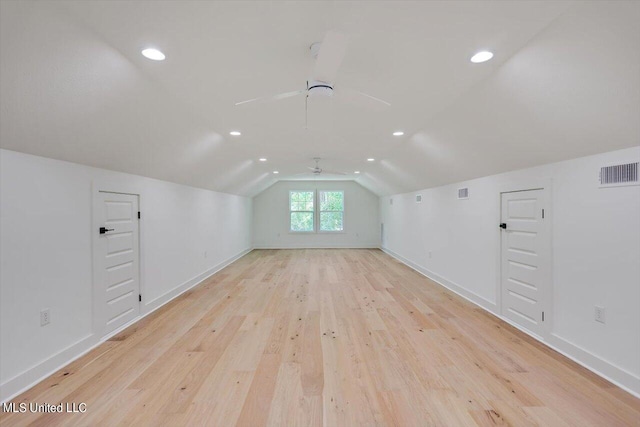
(45, 317)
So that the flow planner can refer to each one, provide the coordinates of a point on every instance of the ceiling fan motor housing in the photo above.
(318, 88)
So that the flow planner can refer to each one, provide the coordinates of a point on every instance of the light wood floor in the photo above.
(326, 337)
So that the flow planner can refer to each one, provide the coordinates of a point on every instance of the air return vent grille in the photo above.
(619, 175)
(418, 198)
(463, 193)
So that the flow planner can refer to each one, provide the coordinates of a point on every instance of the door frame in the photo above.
(544, 184)
(97, 323)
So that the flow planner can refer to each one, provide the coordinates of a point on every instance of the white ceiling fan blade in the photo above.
(273, 98)
(331, 54)
(361, 99)
(330, 172)
(310, 168)
(374, 98)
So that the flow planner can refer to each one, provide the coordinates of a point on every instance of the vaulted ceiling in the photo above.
(564, 82)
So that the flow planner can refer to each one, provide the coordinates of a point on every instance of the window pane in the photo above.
(331, 201)
(331, 221)
(301, 200)
(301, 221)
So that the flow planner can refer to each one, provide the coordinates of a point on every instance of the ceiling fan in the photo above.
(317, 170)
(329, 55)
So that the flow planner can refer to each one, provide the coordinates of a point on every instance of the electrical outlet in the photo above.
(205, 254)
(45, 317)
(429, 254)
(598, 314)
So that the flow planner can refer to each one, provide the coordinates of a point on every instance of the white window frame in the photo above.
(313, 212)
(321, 211)
(316, 212)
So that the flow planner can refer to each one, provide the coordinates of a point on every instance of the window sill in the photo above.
(317, 232)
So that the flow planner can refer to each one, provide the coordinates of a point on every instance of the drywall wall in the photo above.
(45, 243)
(271, 217)
(595, 260)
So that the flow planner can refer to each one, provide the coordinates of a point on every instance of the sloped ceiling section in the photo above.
(564, 82)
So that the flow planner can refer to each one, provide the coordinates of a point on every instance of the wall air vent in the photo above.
(418, 198)
(616, 175)
(463, 193)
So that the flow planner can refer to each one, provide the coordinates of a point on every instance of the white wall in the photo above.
(45, 246)
(271, 217)
(595, 261)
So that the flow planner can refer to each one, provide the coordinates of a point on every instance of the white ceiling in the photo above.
(564, 82)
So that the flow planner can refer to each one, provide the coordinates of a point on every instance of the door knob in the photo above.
(103, 230)
(503, 225)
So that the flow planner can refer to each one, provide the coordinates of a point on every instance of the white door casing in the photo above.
(526, 260)
(116, 255)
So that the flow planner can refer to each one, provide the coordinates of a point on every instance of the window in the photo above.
(331, 210)
(303, 206)
(301, 210)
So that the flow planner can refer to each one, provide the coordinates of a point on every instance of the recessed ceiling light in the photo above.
(276, 172)
(481, 57)
(356, 171)
(262, 159)
(153, 54)
(235, 133)
(370, 159)
(398, 133)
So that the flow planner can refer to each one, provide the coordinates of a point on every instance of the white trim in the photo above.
(616, 375)
(471, 296)
(34, 375)
(313, 212)
(610, 372)
(182, 288)
(320, 246)
(320, 211)
(317, 212)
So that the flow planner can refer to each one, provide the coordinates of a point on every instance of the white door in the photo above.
(526, 279)
(116, 260)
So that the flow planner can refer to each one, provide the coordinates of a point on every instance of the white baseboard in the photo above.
(618, 376)
(305, 246)
(158, 302)
(32, 376)
(466, 294)
(612, 373)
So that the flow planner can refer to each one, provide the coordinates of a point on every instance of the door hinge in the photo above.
(139, 297)
(543, 316)
(542, 214)
(139, 215)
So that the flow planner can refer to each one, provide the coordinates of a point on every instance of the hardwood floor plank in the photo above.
(333, 337)
(256, 407)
